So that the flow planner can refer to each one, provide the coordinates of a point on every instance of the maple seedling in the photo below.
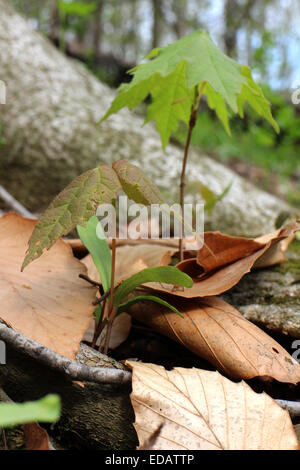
(176, 77)
(113, 302)
(74, 207)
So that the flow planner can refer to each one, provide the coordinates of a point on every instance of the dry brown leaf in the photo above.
(202, 410)
(275, 254)
(48, 302)
(92, 271)
(128, 255)
(213, 275)
(216, 331)
(215, 283)
(125, 267)
(36, 437)
(280, 241)
(224, 249)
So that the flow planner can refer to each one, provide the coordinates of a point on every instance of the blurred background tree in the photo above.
(111, 36)
(262, 33)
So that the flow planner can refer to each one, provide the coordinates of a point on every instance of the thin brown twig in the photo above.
(113, 271)
(90, 281)
(192, 123)
(110, 321)
(4, 439)
(110, 310)
(98, 326)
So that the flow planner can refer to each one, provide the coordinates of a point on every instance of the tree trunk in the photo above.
(98, 29)
(156, 22)
(49, 125)
(179, 8)
(231, 27)
(54, 31)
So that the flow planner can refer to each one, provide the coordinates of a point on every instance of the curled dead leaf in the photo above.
(216, 331)
(48, 302)
(224, 260)
(202, 410)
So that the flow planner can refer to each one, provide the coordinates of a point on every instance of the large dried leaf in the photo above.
(73, 206)
(217, 273)
(224, 260)
(225, 249)
(124, 272)
(201, 410)
(216, 331)
(49, 302)
(276, 253)
(128, 255)
(217, 282)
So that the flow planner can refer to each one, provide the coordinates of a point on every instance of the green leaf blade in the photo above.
(164, 274)
(253, 94)
(46, 410)
(216, 101)
(128, 96)
(73, 206)
(126, 305)
(163, 110)
(98, 248)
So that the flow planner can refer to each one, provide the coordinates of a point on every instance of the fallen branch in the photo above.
(14, 204)
(71, 369)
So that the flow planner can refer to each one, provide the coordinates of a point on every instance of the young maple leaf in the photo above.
(177, 71)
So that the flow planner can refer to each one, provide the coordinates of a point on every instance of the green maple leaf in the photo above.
(176, 71)
(171, 102)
